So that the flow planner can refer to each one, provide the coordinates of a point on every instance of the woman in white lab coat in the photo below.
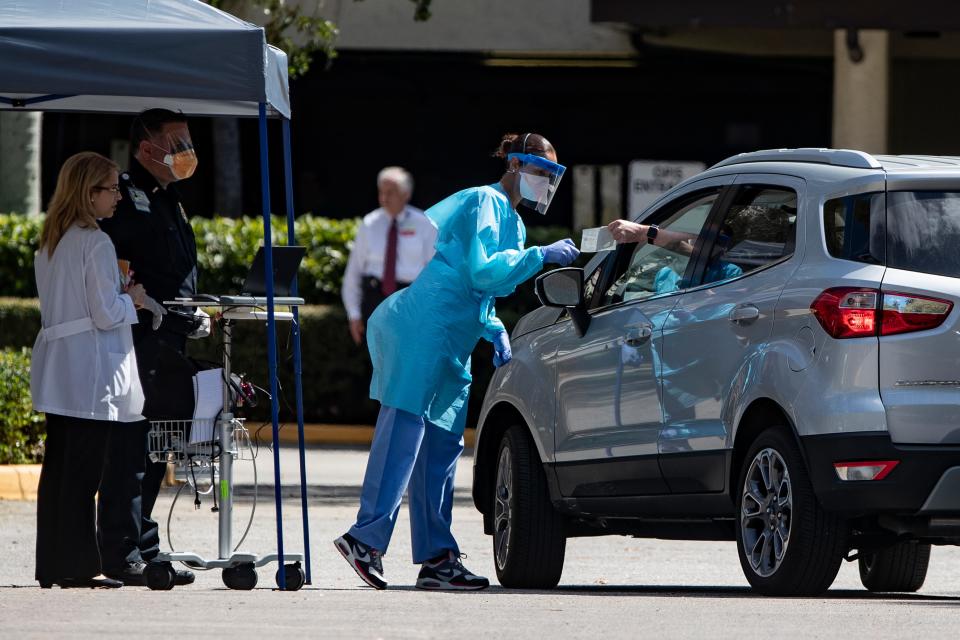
(83, 372)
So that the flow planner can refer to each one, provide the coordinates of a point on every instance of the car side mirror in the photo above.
(564, 288)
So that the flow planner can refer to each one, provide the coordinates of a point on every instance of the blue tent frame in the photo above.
(25, 104)
(48, 45)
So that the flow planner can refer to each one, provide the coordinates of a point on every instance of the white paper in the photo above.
(208, 401)
(596, 239)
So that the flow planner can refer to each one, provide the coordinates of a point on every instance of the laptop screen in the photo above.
(286, 261)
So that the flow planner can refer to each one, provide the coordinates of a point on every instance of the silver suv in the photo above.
(786, 376)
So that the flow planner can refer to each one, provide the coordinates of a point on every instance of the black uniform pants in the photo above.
(66, 498)
(124, 486)
(371, 296)
(131, 482)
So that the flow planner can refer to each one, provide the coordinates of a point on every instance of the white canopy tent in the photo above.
(125, 56)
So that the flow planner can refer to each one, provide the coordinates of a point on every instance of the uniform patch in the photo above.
(139, 199)
(408, 232)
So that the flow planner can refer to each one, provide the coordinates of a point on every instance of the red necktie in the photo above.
(389, 283)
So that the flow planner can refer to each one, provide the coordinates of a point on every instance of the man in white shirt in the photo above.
(393, 243)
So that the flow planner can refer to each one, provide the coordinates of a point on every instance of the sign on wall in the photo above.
(649, 179)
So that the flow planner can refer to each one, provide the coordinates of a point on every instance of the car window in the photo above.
(758, 228)
(924, 231)
(854, 227)
(590, 284)
(653, 270)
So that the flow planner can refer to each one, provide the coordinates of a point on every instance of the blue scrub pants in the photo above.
(407, 450)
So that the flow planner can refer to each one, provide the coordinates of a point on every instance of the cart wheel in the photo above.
(294, 575)
(160, 576)
(242, 577)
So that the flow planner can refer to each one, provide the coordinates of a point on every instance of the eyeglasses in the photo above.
(114, 189)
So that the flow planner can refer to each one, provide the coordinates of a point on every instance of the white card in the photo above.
(596, 239)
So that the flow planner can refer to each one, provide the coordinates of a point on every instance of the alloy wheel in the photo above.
(766, 512)
(501, 514)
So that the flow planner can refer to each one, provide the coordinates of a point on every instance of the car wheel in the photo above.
(902, 567)
(528, 538)
(788, 545)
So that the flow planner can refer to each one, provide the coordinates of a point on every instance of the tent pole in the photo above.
(271, 336)
(297, 369)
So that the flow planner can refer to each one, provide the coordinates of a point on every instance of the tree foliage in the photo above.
(301, 34)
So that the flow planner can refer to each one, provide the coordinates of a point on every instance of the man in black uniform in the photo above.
(151, 230)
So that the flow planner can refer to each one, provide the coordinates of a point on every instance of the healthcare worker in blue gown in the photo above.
(420, 340)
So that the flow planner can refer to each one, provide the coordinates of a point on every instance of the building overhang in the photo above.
(916, 15)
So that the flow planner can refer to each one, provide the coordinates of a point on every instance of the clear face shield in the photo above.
(538, 180)
(179, 155)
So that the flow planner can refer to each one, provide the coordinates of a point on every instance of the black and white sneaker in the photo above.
(366, 561)
(447, 573)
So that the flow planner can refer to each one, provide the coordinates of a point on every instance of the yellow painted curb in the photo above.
(336, 434)
(19, 481)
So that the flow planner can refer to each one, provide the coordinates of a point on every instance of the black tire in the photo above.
(294, 577)
(902, 567)
(242, 577)
(815, 541)
(160, 576)
(527, 527)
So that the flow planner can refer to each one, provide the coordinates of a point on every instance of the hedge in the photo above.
(335, 372)
(21, 428)
(225, 249)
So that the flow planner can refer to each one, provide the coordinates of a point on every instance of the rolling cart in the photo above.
(169, 440)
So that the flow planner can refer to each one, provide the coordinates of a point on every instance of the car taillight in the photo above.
(846, 312)
(903, 312)
(852, 312)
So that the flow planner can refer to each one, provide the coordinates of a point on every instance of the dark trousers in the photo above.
(128, 492)
(66, 498)
(370, 298)
(131, 482)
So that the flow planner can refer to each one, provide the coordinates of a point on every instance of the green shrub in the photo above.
(19, 322)
(21, 428)
(225, 249)
(19, 239)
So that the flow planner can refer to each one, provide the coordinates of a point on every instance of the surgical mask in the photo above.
(534, 188)
(181, 163)
(538, 179)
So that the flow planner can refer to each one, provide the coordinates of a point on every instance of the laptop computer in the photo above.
(286, 261)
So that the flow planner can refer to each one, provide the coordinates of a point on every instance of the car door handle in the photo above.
(744, 313)
(638, 336)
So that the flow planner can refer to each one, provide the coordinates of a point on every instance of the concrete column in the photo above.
(584, 197)
(19, 162)
(611, 193)
(861, 80)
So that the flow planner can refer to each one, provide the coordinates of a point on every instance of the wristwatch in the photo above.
(652, 232)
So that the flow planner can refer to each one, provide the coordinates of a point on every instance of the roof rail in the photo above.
(836, 157)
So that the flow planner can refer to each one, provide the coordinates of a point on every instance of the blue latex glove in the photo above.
(561, 252)
(501, 349)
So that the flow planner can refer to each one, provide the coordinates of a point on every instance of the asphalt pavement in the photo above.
(612, 587)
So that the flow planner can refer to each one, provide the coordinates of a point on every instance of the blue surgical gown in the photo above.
(421, 337)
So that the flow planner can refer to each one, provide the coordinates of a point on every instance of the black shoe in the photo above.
(131, 575)
(183, 577)
(366, 561)
(447, 573)
(98, 582)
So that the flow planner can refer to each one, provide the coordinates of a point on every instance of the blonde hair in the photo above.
(71, 202)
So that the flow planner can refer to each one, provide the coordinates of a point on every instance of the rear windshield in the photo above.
(924, 231)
